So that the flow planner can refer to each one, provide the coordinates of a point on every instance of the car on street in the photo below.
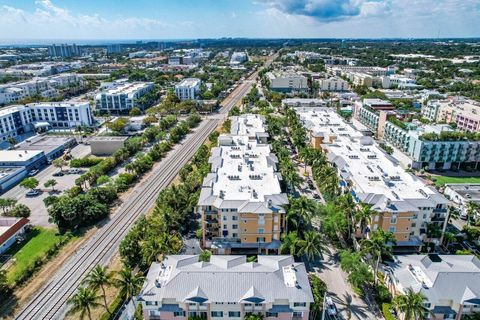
(316, 196)
(32, 193)
(33, 172)
(58, 174)
(75, 171)
(331, 307)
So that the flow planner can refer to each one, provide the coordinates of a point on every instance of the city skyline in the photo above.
(34, 21)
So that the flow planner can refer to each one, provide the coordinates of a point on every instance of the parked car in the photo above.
(58, 174)
(470, 246)
(331, 308)
(463, 216)
(32, 193)
(75, 171)
(33, 172)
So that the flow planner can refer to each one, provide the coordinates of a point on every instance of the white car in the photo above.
(331, 308)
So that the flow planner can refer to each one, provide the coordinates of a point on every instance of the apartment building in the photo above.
(226, 287)
(333, 84)
(287, 81)
(20, 119)
(462, 193)
(188, 89)
(122, 96)
(241, 201)
(372, 71)
(373, 114)
(433, 154)
(304, 102)
(451, 283)
(405, 205)
(464, 112)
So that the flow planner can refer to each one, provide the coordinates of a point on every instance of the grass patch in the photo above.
(386, 311)
(441, 180)
(41, 243)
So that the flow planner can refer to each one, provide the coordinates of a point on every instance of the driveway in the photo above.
(340, 290)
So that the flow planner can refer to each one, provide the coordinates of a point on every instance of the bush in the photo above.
(85, 162)
(20, 211)
(382, 294)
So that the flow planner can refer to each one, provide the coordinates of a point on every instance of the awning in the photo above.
(170, 308)
(280, 309)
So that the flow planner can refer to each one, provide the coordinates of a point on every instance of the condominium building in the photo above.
(431, 153)
(227, 287)
(464, 112)
(287, 81)
(122, 96)
(241, 201)
(20, 119)
(372, 71)
(334, 84)
(304, 102)
(188, 89)
(450, 283)
(405, 205)
(462, 194)
(64, 50)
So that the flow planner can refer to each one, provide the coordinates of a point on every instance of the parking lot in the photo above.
(39, 214)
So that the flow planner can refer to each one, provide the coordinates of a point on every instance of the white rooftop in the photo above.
(248, 124)
(18, 155)
(189, 82)
(127, 88)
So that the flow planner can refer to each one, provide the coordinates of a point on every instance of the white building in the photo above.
(20, 119)
(462, 193)
(287, 81)
(333, 84)
(401, 82)
(188, 89)
(304, 102)
(121, 96)
(238, 58)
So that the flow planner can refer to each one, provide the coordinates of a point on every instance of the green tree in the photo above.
(205, 255)
(50, 183)
(84, 300)
(20, 211)
(253, 316)
(128, 282)
(117, 125)
(12, 142)
(471, 211)
(29, 183)
(411, 305)
(7, 204)
(59, 163)
(290, 244)
(379, 244)
(4, 288)
(99, 278)
(312, 245)
(135, 111)
(363, 216)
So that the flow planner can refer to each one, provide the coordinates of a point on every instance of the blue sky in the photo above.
(178, 19)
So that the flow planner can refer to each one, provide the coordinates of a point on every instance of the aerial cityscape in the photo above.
(240, 159)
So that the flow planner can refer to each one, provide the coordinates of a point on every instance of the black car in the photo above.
(58, 174)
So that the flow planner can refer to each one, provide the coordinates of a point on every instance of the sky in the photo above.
(191, 19)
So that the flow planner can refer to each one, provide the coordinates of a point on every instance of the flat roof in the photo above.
(189, 82)
(44, 143)
(108, 138)
(18, 155)
(126, 88)
(377, 178)
(247, 124)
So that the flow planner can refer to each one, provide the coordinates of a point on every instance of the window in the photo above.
(272, 314)
(234, 218)
(299, 304)
(261, 230)
(235, 235)
(231, 303)
(151, 303)
(234, 314)
(261, 239)
(235, 226)
(298, 314)
(393, 220)
(179, 314)
(414, 224)
(392, 229)
(224, 218)
(217, 314)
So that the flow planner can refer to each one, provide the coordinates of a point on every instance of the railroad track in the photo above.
(50, 302)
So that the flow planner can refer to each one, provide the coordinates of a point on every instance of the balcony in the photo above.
(438, 218)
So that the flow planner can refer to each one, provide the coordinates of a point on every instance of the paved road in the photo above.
(50, 302)
(340, 290)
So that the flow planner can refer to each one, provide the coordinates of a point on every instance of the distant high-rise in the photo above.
(64, 50)
(114, 48)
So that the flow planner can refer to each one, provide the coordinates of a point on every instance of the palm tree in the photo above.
(290, 243)
(363, 216)
(411, 305)
(83, 301)
(128, 282)
(472, 210)
(301, 211)
(448, 238)
(312, 245)
(380, 243)
(99, 278)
